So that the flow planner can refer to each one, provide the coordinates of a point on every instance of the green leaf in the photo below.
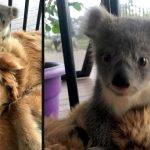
(55, 28)
(76, 5)
(51, 10)
(47, 27)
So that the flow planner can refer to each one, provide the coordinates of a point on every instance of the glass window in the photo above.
(134, 8)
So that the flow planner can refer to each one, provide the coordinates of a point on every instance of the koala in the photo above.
(7, 14)
(122, 54)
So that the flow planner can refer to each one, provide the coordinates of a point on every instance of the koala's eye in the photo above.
(107, 58)
(142, 61)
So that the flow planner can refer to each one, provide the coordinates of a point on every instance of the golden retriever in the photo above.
(20, 91)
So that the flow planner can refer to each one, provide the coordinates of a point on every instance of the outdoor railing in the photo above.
(26, 10)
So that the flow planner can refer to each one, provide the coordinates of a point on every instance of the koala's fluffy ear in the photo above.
(13, 12)
(96, 18)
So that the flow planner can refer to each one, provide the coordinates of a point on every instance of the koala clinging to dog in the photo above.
(7, 14)
(122, 54)
(122, 51)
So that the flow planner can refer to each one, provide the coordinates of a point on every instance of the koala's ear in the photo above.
(96, 18)
(13, 12)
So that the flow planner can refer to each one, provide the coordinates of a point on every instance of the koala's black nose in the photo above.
(120, 79)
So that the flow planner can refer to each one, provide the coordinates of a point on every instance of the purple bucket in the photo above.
(52, 86)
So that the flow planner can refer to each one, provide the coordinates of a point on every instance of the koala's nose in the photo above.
(120, 79)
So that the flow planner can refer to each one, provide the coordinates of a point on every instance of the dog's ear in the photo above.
(96, 19)
(10, 65)
(10, 81)
(11, 62)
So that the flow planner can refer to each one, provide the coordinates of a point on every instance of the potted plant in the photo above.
(52, 86)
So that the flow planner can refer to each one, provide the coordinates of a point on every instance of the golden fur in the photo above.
(61, 135)
(133, 130)
(20, 87)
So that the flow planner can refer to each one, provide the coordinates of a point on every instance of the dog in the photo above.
(20, 86)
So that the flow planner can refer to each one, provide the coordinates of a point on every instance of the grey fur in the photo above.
(126, 40)
(7, 14)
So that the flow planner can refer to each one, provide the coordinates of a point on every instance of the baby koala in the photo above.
(7, 14)
(133, 132)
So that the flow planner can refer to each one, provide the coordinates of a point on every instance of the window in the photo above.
(134, 8)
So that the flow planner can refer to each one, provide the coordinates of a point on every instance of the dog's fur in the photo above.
(133, 131)
(20, 99)
(68, 133)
